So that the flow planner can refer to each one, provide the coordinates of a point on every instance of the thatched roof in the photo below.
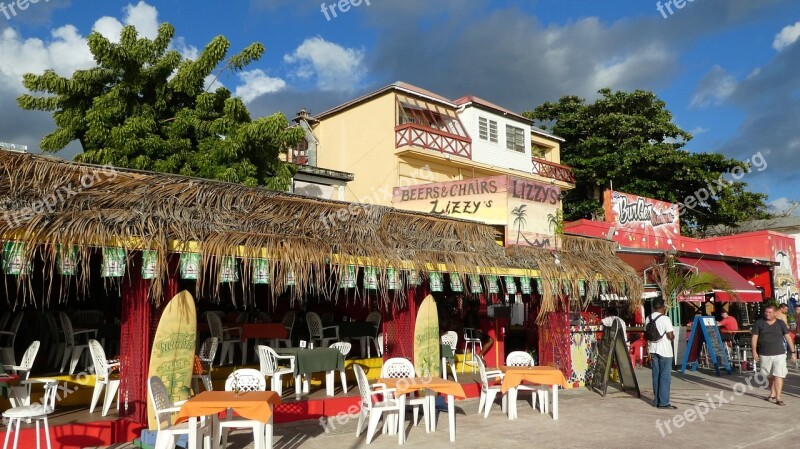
(580, 259)
(50, 202)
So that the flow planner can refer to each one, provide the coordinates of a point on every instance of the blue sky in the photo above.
(729, 70)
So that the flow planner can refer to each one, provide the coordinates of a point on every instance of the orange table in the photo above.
(543, 375)
(435, 384)
(256, 405)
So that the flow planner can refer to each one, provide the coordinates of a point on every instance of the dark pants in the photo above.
(661, 376)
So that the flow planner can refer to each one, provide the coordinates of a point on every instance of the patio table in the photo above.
(260, 331)
(309, 361)
(543, 375)
(360, 330)
(405, 386)
(255, 405)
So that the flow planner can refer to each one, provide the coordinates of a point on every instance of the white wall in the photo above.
(497, 154)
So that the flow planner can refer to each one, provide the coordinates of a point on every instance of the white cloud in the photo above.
(788, 36)
(65, 52)
(698, 130)
(187, 51)
(714, 88)
(142, 16)
(334, 67)
(783, 205)
(257, 83)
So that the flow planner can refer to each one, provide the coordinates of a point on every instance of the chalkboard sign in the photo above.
(612, 349)
(705, 330)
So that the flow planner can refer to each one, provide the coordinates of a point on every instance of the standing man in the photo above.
(769, 335)
(783, 313)
(660, 333)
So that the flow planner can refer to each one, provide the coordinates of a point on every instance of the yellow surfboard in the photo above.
(426, 339)
(172, 357)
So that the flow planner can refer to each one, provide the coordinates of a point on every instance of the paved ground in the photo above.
(733, 416)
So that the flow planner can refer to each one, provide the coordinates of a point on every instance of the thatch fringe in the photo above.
(579, 259)
(50, 202)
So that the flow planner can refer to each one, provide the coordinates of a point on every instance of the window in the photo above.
(487, 129)
(515, 138)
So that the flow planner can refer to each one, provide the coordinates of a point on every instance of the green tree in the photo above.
(628, 138)
(145, 107)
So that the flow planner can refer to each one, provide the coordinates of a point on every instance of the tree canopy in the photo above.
(144, 106)
(629, 139)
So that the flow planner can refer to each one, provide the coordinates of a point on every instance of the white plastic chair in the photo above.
(450, 339)
(37, 411)
(288, 323)
(21, 394)
(244, 380)
(224, 338)
(521, 358)
(489, 390)
(343, 348)
(208, 350)
(164, 408)
(316, 331)
(103, 378)
(375, 319)
(398, 368)
(10, 336)
(369, 407)
(269, 365)
(380, 343)
(471, 342)
(72, 351)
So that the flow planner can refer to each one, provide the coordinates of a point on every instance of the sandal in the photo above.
(780, 403)
(770, 399)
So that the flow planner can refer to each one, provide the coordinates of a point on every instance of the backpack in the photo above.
(651, 330)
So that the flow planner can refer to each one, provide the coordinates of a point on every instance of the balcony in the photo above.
(412, 134)
(552, 170)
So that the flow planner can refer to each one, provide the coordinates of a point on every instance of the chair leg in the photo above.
(359, 428)
(16, 434)
(490, 395)
(343, 376)
(482, 401)
(98, 388)
(111, 391)
(374, 419)
(65, 357)
(453, 369)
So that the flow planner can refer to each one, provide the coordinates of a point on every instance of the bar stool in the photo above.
(471, 341)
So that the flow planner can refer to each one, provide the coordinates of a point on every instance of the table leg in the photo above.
(430, 413)
(298, 386)
(192, 433)
(306, 383)
(329, 382)
(401, 425)
(451, 416)
(512, 403)
(555, 402)
(268, 430)
(245, 341)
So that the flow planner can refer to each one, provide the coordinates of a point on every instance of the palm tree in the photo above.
(675, 279)
(519, 220)
(556, 224)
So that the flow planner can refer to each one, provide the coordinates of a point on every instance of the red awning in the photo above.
(746, 291)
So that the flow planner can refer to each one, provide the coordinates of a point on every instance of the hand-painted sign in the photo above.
(633, 213)
(525, 208)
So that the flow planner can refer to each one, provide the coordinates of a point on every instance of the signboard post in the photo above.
(717, 353)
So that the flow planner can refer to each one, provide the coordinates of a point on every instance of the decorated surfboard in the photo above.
(426, 339)
(172, 356)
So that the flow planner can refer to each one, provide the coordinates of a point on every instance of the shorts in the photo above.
(774, 365)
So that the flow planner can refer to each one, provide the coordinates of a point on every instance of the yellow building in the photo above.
(401, 136)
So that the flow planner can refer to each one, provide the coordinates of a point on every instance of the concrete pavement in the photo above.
(724, 412)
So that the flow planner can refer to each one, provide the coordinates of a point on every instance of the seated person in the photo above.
(473, 320)
(726, 325)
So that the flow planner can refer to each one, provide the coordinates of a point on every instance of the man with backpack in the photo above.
(660, 334)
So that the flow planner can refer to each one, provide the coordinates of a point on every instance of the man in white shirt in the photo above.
(661, 354)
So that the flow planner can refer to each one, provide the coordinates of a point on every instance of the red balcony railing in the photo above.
(552, 170)
(411, 134)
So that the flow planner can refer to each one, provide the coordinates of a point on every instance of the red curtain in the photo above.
(554, 341)
(138, 328)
